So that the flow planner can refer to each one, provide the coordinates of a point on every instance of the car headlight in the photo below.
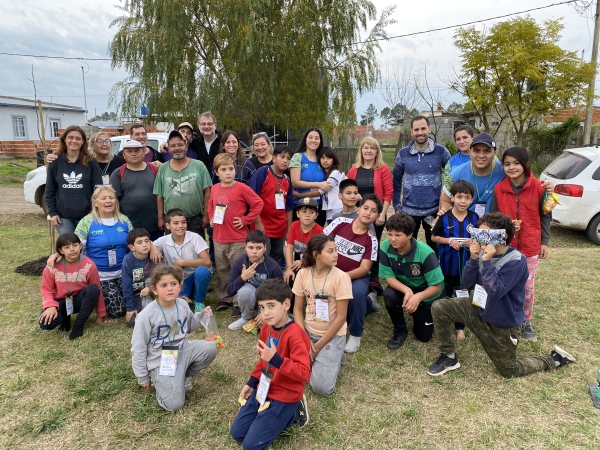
(30, 175)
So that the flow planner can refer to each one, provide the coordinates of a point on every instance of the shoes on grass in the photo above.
(188, 384)
(560, 357)
(376, 307)
(527, 332)
(238, 324)
(302, 420)
(397, 340)
(222, 305)
(352, 345)
(236, 312)
(199, 307)
(443, 364)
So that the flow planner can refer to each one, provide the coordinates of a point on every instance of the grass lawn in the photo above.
(14, 170)
(55, 393)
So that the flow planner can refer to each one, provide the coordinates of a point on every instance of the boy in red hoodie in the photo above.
(71, 286)
(273, 398)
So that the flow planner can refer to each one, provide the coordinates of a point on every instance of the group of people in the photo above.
(298, 250)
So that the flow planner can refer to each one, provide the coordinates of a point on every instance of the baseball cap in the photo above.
(185, 124)
(484, 138)
(307, 201)
(175, 133)
(132, 144)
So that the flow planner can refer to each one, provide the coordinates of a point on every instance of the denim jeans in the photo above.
(197, 282)
(66, 226)
(358, 306)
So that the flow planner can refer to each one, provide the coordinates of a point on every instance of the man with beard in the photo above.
(418, 176)
(208, 145)
(183, 183)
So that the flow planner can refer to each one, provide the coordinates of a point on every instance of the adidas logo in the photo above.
(72, 179)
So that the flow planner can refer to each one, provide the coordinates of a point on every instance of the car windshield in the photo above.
(567, 166)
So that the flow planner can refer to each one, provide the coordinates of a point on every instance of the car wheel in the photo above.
(593, 230)
(43, 201)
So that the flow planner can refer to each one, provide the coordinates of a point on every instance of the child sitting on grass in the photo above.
(300, 233)
(70, 286)
(414, 280)
(161, 353)
(189, 251)
(273, 398)
(451, 233)
(247, 274)
(326, 290)
(135, 276)
(494, 313)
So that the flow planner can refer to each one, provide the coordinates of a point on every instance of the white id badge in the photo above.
(219, 214)
(112, 257)
(279, 200)
(69, 305)
(461, 293)
(480, 209)
(263, 389)
(105, 179)
(168, 363)
(321, 310)
(479, 296)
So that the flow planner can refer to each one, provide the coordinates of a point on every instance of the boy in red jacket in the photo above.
(72, 286)
(273, 398)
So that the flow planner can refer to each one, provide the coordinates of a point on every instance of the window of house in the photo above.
(19, 130)
(495, 124)
(54, 126)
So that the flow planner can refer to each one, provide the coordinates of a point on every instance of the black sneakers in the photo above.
(302, 419)
(397, 340)
(561, 357)
(236, 312)
(222, 305)
(443, 364)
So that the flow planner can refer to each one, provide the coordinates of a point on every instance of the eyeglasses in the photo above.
(262, 133)
(102, 142)
(206, 124)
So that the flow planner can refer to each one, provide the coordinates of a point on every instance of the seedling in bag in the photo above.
(212, 331)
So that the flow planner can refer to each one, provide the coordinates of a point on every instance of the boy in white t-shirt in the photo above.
(189, 251)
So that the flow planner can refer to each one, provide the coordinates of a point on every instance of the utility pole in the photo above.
(85, 96)
(587, 126)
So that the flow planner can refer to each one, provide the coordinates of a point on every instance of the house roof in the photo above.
(561, 115)
(30, 103)
(105, 124)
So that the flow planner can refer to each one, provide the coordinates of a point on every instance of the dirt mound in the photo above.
(33, 268)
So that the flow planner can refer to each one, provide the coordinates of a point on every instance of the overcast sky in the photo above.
(81, 29)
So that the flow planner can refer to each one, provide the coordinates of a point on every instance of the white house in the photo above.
(19, 119)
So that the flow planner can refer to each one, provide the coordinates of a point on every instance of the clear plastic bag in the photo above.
(146, 300)
(550, 203)
(212, 331)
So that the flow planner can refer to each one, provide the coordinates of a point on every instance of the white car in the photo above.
(576, 178)
(34, 187)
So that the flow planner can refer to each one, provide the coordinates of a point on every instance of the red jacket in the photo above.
(525, 207)
(382, 182)
(290, 366)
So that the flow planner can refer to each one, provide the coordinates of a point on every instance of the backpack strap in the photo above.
(153, 168)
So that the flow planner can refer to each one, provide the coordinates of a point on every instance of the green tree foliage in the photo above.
(105, 116)
(517, 72)
(396, 116)
(369, 116)
(551, 140)
(294, 63)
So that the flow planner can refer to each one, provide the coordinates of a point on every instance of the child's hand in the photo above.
(467, 243)
(155, 255)
(129, 315)
(206, 311)
(475, 248)
(454, 244)
(237, 223)
(324, 186)
(488, 252)
(246, 391)
(380, 220)
(145, 386)
(544, 250)
(441, 212)
(314, 350)
(265, 353)
(145, 292)
(52, 259)
(549, 186)
(288, 275)
(48, 315)
(517, 224)
(258, 320)
(412, 303)
(179, 262)
(249, 272)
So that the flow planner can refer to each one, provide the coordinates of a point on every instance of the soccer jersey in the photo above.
(452, 261)
(418, 268)
(352, 248)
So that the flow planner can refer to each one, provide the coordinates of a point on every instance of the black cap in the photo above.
(484, 138)
(176, 133)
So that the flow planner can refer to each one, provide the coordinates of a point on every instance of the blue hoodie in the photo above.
(418, 174)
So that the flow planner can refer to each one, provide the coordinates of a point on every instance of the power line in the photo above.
(353, 43)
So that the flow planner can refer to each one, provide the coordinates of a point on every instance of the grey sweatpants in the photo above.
(327, 364)
(247, 301)
(193, 357)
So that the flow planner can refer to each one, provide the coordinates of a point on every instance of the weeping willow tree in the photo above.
(291, 63)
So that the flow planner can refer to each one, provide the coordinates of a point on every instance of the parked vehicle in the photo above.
(34, 187)
(576, 178)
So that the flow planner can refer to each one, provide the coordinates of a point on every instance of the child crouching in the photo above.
(71, 286)
(161, 354)
(273, 399)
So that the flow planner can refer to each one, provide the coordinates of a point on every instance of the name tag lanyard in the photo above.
(478, 199)
(69, 297)
(223, 199)
(265, 266)
(112, 252)
(322, 293)
(480, 294)
(106, 167)
(180, 251)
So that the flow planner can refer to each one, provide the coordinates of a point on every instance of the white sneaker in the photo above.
(188, 384)
(376, 308)
(238, 324)
(352, 345)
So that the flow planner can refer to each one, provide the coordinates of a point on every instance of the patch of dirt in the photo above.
(13, 202)
(33, 268)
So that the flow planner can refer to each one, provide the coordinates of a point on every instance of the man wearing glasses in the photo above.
(208, 145)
